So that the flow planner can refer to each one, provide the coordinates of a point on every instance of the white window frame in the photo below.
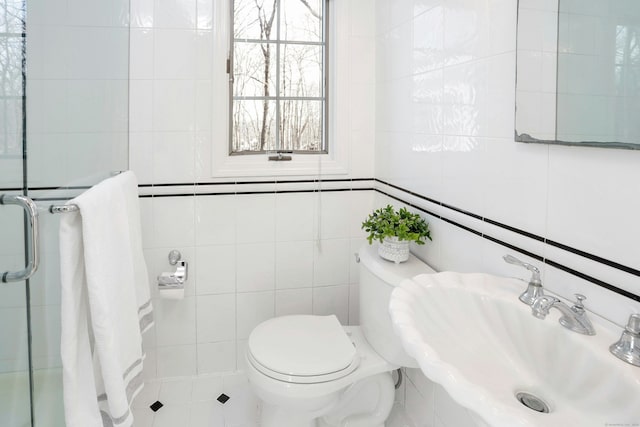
(336, 162)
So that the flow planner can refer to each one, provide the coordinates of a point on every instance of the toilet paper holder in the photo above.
(175, 280)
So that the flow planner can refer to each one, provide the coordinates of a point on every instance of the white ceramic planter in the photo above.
(394, 250)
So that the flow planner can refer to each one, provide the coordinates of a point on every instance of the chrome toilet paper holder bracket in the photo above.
(169, 280)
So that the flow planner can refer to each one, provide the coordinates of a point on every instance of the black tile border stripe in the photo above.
(564, 247)
(240, 193)
(268, 182)
(595, 258)
(521, 232)
(593, 280)
(542, 259)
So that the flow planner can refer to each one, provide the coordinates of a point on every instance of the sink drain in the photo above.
(533, 402)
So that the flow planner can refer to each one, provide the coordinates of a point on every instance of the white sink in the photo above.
(471, 334)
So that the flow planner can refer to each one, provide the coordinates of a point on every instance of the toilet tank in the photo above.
(378, 277)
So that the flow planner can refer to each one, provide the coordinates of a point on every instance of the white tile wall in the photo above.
(251, 256)
(462, 152)
(242, 273)
(172, 89)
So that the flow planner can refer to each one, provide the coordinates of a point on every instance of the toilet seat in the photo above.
(302, 349)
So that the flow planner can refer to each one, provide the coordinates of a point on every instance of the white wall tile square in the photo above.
(255, 218)
(141, 107)
(204, 14)
(174, 54)
(360, 206)
(141, 156)
(332, 300)
(354, 304)
(294, 301)
(175, 321)
(141, 13)
(176, 361)
(174, 14)
(331, 262)
(333, 221)
(141, 65)
(294, 264)
(173, 105)
(216, 318)
(216, 357)
(216, 269)
(173, 157)
(253, 308)
(255, 267)
(173, 223)
(204, 117)
(294, 216)
(215, 220)
(204, 59)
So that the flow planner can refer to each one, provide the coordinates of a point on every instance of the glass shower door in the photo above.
(15, 405)
(77, 134)
(63, 127)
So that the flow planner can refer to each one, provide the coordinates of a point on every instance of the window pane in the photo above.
(254, 69)
(301, 70)
(11, 16)
(301, 125)
(278, 54)
(301, 20)
(254, 126)
(11, 66)
(255, 19)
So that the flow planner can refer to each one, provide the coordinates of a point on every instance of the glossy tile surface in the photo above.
(191, 401)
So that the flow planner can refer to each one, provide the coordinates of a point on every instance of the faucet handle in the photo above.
(633, 325)
(579, 304)
(534, 288)
(535, 271)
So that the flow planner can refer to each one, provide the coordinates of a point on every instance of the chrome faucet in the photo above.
(573, 318)
(534, 289)
(627, 348)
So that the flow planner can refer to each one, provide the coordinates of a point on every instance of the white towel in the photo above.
(105, 304)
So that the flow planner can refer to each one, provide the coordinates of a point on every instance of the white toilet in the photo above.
(309, 371)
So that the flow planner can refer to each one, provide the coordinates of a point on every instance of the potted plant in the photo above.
(395, 229)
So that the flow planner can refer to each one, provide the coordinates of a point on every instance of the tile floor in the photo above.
(191, 402)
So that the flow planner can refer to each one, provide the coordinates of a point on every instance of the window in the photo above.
(278, 76)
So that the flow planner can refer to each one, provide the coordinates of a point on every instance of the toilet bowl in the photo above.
(310, 371)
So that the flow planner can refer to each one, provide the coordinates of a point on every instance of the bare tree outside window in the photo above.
(12, 45)
(278, 92)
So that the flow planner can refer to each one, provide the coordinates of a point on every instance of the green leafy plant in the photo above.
(387, 222)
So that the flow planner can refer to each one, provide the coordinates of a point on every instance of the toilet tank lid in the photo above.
(302, 345)
(388, 271)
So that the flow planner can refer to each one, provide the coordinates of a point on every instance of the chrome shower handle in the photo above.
(34, 247)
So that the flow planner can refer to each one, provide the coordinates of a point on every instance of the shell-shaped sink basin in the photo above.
(471, 334)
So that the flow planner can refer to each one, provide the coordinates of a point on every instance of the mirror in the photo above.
(578, 73)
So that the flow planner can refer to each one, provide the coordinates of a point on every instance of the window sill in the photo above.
(259, 165)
